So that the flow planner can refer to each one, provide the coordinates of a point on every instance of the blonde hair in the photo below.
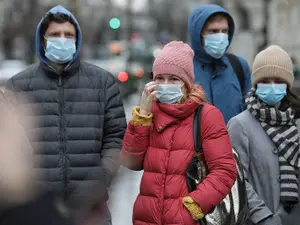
(196, 94)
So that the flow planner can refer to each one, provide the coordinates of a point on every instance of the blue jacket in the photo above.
(217, 77)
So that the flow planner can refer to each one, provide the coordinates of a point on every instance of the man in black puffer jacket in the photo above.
(79, 120)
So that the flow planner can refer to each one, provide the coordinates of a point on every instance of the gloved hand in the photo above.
(193, 208)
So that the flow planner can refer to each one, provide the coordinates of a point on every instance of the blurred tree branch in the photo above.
(219, 2)
(243, 15)
(9, 30)
(265, 28)
(30, 18)
(19, 21)
(169, 16)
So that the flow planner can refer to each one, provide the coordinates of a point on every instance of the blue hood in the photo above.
(39, 47)
(196, 21)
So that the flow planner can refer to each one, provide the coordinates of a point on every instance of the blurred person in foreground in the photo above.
(266, 136)
(21, 200)
(79, 118)
(226, 78)
(159, 140)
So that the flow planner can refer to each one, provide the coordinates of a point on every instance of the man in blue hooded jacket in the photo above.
(78, 115)
(211, 30)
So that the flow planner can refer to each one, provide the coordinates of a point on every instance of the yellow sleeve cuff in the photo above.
(193, 208)
(138, 119)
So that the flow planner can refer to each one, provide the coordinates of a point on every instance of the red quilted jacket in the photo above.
(164, 151)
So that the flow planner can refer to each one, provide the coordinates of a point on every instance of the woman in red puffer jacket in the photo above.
(159, 140)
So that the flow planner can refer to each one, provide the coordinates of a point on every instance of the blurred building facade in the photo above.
(259, 22)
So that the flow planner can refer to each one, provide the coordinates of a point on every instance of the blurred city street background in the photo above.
(124, 37)
(125, 187)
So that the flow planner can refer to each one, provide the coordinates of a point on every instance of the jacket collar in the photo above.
(165, 115)
(67, 71)
(222, 62)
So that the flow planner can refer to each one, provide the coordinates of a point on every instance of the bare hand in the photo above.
(148, 96)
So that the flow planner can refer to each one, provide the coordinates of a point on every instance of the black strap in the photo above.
(244, 207)
(238, 68)
(196, 130)
(241, 183)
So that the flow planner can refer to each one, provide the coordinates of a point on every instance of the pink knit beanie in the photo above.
(176, 58)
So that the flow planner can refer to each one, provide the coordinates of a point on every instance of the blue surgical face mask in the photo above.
(216, 44)
(60, 50)
(169, 93)
(271, 94)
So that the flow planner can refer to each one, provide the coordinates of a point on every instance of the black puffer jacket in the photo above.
(79, 123)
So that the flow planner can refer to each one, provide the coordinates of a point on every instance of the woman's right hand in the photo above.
(148, 96)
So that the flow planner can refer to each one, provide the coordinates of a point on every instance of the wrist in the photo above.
(144, 111)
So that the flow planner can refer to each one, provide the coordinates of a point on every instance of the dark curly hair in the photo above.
(57, 18)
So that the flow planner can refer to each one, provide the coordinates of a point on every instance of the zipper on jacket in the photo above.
(211, 91)
(59, 81)
(211, 94)
(166, 162)
(61, 138)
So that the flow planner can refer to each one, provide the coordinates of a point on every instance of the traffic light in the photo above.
(115, 23)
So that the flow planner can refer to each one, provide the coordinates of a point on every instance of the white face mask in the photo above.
(169, 93)
(271, 93)
(60, 50)
(216, 44)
